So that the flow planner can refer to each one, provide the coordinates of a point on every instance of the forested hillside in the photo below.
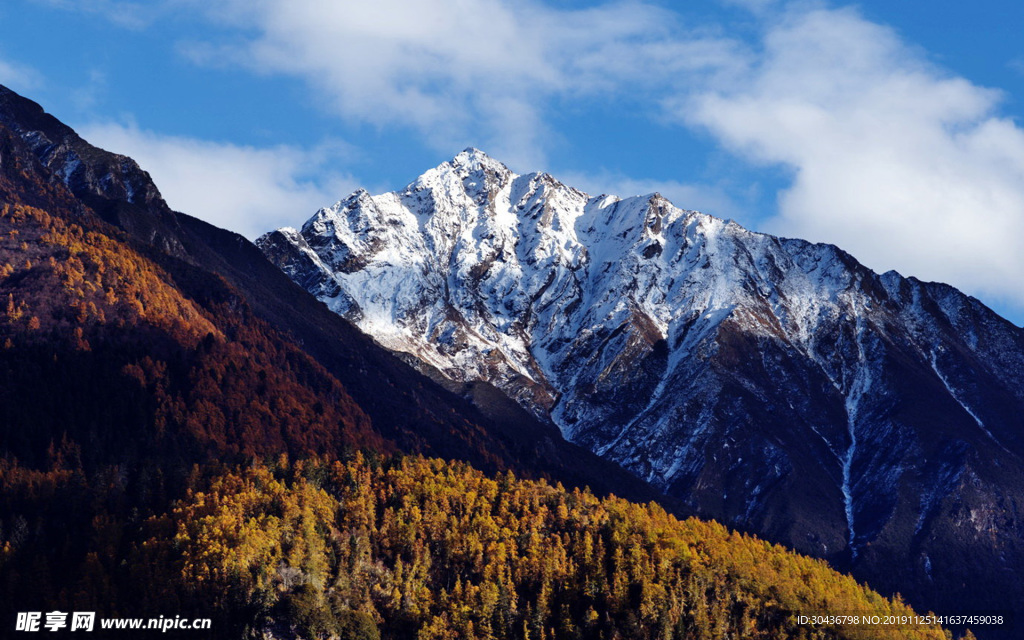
(45, 165)
(410, 547)
(173, 443)
(100, 347)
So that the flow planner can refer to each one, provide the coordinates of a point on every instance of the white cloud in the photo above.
(904, 165)
(246, 189)
(755, 6)
(88, 96)
(896, 161)
(486, 68)
(132, 15)
(19, 77)
(707, 198)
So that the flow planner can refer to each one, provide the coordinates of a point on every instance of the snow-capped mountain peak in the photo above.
(737, 370)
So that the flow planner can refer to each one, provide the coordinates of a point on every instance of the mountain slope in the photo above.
(102, 351)
(153, 408)
(407, 548)
(773, 384)
(403, 407)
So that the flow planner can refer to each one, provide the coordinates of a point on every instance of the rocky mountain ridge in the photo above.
(775, 384)
(52, 167)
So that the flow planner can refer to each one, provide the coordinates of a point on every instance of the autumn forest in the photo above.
(170, 446)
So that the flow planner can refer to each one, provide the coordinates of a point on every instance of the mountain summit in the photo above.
(47, 165)
(775, 384)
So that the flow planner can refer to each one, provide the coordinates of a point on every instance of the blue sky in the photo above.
(890, 129)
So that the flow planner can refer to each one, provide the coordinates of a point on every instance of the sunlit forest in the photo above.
(407, 547)
(140, 368)
(173, 454)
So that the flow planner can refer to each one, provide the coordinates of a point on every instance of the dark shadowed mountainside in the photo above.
(772, 384)
(218, 267)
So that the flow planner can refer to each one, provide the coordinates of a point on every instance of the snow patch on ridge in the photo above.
(956, 396)
(648, 333)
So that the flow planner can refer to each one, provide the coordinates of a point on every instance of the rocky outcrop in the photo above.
(774, 384)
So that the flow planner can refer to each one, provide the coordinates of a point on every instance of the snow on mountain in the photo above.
(772, 383)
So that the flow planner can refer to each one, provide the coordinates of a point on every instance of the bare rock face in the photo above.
(773, 384)
(44, 163)
(113, 185)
